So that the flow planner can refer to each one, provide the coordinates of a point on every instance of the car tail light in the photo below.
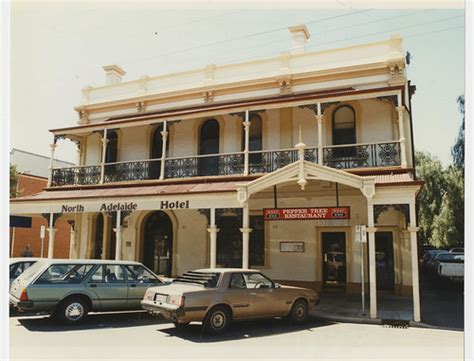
(24, 295)
(175, 300)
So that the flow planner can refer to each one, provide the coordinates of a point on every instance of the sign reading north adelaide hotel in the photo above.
(294, 214)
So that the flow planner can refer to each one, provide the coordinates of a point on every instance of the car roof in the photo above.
(23, 259)
(86, 261)
(225, 270)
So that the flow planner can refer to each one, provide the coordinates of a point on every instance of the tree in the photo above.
(430, 198)
(458, 149)
(13, 181)
(448, 225)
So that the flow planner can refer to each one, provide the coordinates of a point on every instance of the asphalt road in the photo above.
(442, 303)
(138, 336)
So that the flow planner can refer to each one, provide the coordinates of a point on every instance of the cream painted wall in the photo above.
(309, 127)
(135, 143)
(93, 150)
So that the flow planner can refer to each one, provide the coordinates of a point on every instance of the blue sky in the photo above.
(58, 48)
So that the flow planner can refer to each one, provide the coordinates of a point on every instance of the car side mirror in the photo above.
(277, 285)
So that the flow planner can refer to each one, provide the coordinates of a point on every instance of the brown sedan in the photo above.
(218, 296)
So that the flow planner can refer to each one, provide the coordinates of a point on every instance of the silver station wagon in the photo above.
(70, 288)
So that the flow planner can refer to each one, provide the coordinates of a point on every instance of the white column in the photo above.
(245, 236)
(319, 118)
(118, 237)
(414, 263)
(246, 124)
(104, 150)
(164, 135)
(51, 231)
(372, 264)
(213, 235)
(72, 242)
(401, 132)
(51, 163)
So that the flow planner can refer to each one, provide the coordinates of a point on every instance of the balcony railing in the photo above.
(362, 155)
(367, 155)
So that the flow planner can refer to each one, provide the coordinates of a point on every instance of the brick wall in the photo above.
(27, 185)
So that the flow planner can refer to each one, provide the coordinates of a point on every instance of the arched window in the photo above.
(209, 144)
(343, 126)
(111, 149)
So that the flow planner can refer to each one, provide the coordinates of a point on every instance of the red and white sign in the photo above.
(295, 214)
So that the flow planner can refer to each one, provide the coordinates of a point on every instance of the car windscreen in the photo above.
(451, 258)
(206, 279)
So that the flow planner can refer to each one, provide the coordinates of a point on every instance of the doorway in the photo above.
(158, 243)
(334, 259)
(385, 273)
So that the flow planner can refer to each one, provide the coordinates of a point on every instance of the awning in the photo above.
(151, 197)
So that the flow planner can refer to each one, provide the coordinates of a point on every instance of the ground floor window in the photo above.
(229, 241)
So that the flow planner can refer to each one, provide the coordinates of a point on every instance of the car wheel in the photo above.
(72, 311)
(299, 312)
(217, 320)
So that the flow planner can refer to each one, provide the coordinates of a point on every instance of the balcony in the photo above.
(368, 155)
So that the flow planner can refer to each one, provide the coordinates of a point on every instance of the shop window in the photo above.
(209, 144)
(229, 241)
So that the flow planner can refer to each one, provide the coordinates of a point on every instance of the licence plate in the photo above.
(159, 297)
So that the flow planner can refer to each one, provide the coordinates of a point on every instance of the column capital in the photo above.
(53, 146)
(246, 124)
(413, 229)
(213, 230)
(319, 118)
(245, 230)
(400, 108)
(164, 133)
(371, 229)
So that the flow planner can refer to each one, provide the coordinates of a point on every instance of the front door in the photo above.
(158, 243)
(385, 274)
(334, 259)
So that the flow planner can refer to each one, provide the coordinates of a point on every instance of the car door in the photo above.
(264, 299)
(139, 280)
(109, 283)
(238, 296)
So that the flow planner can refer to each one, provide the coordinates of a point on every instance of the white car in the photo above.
(19, 265)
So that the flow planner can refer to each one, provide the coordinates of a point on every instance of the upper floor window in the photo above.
(112, 144)
(156, 151)
(209, 144)
(255, 133)
(343, 126)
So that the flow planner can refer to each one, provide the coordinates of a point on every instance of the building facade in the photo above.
(270, 164)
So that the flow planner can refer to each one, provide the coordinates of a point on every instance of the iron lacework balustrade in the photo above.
(362, 155)
(271, 160)
(370, 155)
(83, 175)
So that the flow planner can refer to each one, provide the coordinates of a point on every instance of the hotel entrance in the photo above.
(333, 246)
(158, 243)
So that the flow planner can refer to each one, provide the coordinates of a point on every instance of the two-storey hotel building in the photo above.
(271, 164)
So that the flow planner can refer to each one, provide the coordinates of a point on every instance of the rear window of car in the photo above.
(206, 279)
(64, 273)
(33, 269)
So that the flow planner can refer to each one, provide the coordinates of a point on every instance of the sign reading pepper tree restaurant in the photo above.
(298, 214)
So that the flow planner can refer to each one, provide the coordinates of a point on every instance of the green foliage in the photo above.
(13, 181)
(430, 198)
(458, 149)
(448, 225)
